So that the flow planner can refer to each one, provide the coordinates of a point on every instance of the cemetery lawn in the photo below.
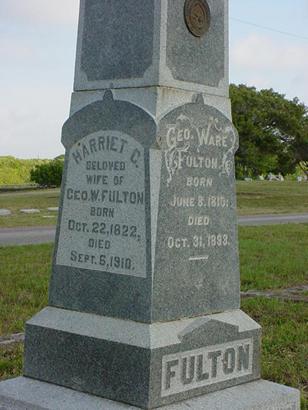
(39, 199)
(284, 341)
(11, 361)
(272, 197)
(273, 257)
(24, 276)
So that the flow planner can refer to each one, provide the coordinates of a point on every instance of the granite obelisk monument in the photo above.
(144, 300)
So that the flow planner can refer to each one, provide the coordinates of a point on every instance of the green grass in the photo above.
(284, 342)
(24, 274)
(271, 197)
(273, 256)
(41, 199)
(11, 361)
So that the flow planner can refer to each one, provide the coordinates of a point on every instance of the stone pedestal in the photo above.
(144, 301)
(146, 365)
(29, 394)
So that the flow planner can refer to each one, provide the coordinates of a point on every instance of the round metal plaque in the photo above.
(197, 16)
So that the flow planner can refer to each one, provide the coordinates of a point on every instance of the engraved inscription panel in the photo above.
(103, 216)
(198, 222)
(209, 365)
(199, 163)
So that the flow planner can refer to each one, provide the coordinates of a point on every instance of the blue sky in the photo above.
(37, 52)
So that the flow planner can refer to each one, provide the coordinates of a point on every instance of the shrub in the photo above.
(15, 171)
(48, 174)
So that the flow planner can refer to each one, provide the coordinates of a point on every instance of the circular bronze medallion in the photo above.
(197, 16)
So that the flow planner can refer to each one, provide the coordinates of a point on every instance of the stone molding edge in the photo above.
(27, 394)
(139, 334)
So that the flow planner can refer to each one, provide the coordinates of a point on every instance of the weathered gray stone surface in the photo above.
(103, 257)
(147, 43)
(117, 226)
(157, 101)
(27, 394)
(117, 39)
(5, 212)
(141, 364)
(196, 246)
(196, 60)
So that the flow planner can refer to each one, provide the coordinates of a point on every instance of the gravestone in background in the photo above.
(144, 302)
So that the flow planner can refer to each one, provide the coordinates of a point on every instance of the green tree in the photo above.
(273, 131)
(48, 174)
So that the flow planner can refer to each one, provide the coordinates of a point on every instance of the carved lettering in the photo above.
(103, 216)
(185, 371)
(199, 156)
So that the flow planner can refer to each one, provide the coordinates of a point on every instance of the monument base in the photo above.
(145, 365)
(27, 394)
